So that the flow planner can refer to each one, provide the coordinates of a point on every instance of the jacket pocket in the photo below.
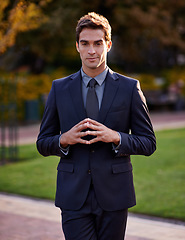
(122, 167)
(65, 167)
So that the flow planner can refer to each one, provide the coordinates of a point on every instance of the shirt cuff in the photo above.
(116, 147)
(65, 151)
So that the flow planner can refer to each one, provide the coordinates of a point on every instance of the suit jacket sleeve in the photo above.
(48, 138)
(141, 140)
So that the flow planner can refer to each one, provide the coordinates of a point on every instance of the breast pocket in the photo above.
(117, 120)
(118, 108)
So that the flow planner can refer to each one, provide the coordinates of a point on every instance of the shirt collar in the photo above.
(99, 78)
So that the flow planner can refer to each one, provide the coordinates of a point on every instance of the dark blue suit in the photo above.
(123, 109)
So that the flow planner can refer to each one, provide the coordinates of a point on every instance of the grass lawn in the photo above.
(159, 179)
(33, 175)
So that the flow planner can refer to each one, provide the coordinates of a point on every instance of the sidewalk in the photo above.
(30, 219)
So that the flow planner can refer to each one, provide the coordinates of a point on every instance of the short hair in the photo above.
(93, 21)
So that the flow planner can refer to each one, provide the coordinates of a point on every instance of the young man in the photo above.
(94, 120)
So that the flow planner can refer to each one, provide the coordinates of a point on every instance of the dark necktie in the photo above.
(92, 106)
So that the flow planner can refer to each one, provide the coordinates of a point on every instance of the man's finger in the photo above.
(82, 126)
(82, 122)
(94, 127)
(83, 134)
(94, 140)
(82, 141)
(94, 122)
(94, 133)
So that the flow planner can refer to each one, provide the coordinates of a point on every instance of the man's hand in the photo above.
(75, 134)
(102, 133)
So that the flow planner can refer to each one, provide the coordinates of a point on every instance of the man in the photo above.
(94, 120)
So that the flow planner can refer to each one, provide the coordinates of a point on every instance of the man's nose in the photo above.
(91, 49)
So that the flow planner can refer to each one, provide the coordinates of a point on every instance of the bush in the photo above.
(22, 87)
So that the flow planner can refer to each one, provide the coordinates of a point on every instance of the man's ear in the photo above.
(77, 47)
(109, 45)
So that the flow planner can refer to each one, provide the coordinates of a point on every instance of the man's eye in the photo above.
(84, 43)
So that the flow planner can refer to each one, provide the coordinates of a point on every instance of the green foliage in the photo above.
(159, 179)
(24, 87)
(175, 77)
(147, 81)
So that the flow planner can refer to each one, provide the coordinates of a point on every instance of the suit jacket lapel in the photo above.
(75, 89)
(111, 87)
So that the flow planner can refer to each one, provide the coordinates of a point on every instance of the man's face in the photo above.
(93, 50)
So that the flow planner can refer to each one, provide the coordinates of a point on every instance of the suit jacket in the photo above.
(123, 109)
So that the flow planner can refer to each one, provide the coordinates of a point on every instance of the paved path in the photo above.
(28, 134)
(30, 219)
(164, 120)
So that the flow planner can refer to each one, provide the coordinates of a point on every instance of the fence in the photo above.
(8, 121)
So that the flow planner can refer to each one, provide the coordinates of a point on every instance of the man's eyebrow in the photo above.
(97, 41)
(83, 40)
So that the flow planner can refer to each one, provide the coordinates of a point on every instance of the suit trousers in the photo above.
(91, 222)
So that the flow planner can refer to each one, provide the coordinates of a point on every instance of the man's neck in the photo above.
(93, 72)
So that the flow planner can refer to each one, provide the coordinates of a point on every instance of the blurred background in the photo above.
(37, 45)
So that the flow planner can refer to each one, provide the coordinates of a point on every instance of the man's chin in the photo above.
(93, 66)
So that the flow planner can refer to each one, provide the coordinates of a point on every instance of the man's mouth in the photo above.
(92, 59)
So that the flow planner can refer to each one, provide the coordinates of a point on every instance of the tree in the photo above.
(149, 31)
(21, 16)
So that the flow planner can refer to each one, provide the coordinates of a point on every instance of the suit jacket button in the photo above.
(89, 171)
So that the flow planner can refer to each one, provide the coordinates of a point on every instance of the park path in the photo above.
(23, 218)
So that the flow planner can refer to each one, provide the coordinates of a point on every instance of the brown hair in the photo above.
(94, 21)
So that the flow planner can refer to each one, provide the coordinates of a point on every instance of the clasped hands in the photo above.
(89, 127)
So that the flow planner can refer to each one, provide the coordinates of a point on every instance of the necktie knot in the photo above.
(92, 83)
